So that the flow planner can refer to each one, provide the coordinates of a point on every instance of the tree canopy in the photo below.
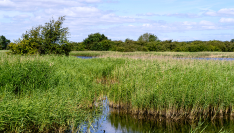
(48, 39)
(97, 41)
(147, 37)
(3, 42)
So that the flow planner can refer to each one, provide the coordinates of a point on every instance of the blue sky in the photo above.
(179, 20)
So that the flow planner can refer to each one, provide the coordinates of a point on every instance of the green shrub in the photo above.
(48, 39)
(93, 42)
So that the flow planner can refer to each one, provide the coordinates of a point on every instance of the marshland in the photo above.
(57, 93)
(44, 87)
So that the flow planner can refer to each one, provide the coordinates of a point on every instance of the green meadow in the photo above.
(58, 93)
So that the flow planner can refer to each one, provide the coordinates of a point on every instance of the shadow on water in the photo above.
(115, 121)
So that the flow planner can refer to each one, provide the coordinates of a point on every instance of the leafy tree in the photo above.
(48, 39)
(93, 42)
(3, 42)
(232, 41)
(147, 37)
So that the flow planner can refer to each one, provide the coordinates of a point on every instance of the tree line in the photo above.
(51, 38)
(150, 42)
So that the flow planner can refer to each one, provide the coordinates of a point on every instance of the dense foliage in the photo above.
(3, 42)
(48, 39)
(49, 93)
(150, 42)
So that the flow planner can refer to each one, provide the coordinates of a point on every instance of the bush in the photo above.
(93, 42)
(3, 42)
(48, 39)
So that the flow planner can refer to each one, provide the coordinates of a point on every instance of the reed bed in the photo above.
(174, 88)
(55, 93)
(49, 93)
(154, 54)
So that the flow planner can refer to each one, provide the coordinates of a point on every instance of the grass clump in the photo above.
(49, 93)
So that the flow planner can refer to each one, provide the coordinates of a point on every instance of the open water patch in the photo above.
(85, 57)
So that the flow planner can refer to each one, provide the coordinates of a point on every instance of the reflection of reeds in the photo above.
(143, 123)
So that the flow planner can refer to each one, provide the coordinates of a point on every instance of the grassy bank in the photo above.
(153, 54)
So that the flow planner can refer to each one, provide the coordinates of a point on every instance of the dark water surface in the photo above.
(85, 57)
(113, 121)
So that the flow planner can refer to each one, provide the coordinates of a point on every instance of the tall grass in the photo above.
(153, 54)
(174, 88)
(49, 93)
(55, 93)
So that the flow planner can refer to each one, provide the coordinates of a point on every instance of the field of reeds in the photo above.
(174, 88)
(49, 93)
(55, 93)
(140, 54)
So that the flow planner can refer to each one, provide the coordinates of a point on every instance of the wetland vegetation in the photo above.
(42, 90)
(55, 93)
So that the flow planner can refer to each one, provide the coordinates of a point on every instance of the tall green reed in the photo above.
(173, 87)
(49, 93)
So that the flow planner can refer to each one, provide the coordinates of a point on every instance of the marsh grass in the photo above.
(49, 93)
(154, 54)
(55, 93)
(173, 88)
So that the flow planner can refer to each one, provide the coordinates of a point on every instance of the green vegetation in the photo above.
(135, 123)
(3, 42)
(48, 39)
(49, 93)
(150, 42)
(140, 54)
(174, 88)
(54, 93)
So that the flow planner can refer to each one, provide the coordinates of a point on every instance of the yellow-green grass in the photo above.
(49, 93)
(174, 88)
(153, 54)
(45, 93)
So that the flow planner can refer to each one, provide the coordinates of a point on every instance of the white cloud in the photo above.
(182, 15)
(204, 22)
(226, 11)
(189, 23)
(222, 12)
(226, 20)
(147, 25)
(6, 3)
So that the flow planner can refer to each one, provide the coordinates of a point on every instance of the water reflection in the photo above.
(85, 57)
(115, 121)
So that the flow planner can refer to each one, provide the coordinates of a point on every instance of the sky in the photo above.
(177, 20)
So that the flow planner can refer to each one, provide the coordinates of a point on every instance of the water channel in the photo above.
(114, 121)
